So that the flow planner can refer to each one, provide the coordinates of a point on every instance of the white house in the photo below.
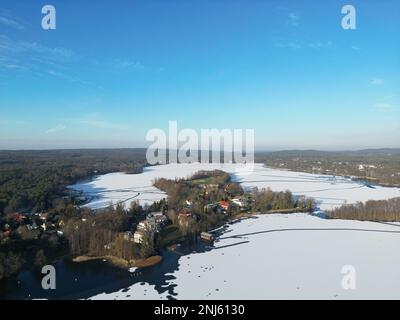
(127, 236)
(143, 225)
(238, 201)
(138, 236)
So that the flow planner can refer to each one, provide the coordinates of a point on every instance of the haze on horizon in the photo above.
(112, 71)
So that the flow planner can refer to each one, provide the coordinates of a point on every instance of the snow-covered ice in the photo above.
(329, 191)
(295, 256)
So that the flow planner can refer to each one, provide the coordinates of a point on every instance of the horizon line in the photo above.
(257, 150)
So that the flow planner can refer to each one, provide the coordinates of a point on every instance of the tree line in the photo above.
(372, 210)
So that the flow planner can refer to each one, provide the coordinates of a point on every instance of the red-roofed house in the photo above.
(224, 204)
(18, 217)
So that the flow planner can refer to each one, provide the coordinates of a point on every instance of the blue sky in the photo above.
(112, 70)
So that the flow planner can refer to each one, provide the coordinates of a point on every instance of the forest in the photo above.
(381, 166)
(372, 210)
(36, 180)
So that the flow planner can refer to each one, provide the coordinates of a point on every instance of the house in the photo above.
(213, 186)
(157, 217)
(138, 236)
(219, 207)
(18, 218)
(209, 188)
(161, 220)
(154, 214)
(44, 215)
(224, 204)
(128, 236)
(184, 214)
(242, 202)
(7, 233)
(149, 225)
(189, 203)
(210, 208)
(143, 225)
(207, 236)
(185, 218)
(238, 201)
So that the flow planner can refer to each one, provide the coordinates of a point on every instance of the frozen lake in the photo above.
(329, 191)
(295, 256)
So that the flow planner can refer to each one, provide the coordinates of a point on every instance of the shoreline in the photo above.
(370, 180)
(120, 262)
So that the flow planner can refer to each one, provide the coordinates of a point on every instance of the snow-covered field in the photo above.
(294, 256)
(328, 190)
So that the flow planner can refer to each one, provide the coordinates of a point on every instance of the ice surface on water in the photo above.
(295, 256)
(329, 191)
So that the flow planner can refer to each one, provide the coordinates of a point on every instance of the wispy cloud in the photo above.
(127, 64)
(9, 63)
(378, 81)
(64, 76)
(57, 54)
(320, 45)
(38, 60)
(19, 47)
(295, 44)
(10, 22)
(59, 127)
(292, 20)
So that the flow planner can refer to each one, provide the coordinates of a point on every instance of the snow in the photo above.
(136, 292)
(295, 256)
(329, 191)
